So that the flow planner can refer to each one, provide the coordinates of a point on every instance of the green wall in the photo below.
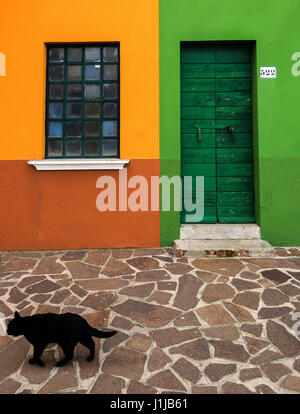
(275, 26)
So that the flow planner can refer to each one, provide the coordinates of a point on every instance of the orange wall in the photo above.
(57, 210)
(25, 28)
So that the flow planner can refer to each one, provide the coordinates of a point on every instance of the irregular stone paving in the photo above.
(185, 325)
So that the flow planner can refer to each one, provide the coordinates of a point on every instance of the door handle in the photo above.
(231, 131)
(199, 132)
(228, 129)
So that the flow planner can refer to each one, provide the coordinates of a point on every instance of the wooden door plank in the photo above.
(235, 198)
(235, 184)
(240, 141)
(235, 211)
(241, 98)
(233, 70)
(210, 126)
(191, 141)
(226, 112)
(234, 170)
(210, 183)
(198, 113)
(234, 85)
(240, 125)
(210, 215)
(233, 55)
(197, 99)
(237, 220)
(197, 70)
(209, 199)
(234, 155)
(206, 170)
(207, 126)
(198, 85)
(235, 214)
(198, 156)
(195, 54)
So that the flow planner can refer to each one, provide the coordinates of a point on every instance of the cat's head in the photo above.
(15, 326)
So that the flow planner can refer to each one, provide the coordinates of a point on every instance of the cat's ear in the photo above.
(17, 315)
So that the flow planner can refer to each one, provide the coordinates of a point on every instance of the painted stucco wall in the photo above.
(275, 28)
(24, 30)
(57, 209)
(34, 207)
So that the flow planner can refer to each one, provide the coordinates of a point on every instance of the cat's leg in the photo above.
(37, 352)
(90, 344)
(69, 352)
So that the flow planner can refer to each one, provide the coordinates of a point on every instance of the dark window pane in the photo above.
(74, 54)
(56, 110)
(74, 72)
(110, 72)
(92, 54)
(55, 129)
(110, 54)
(92, 110)
(74, 110)
(73, 129)
(74, 91)
(91, 147)
(109, 148)
(56, 54)
(109, 128)
(73, 147)
(92, 91)
(110, 90)
(110, 110)
(55, 147)
(56, 73)
(56, 91)
(92, 128)
(92, 72)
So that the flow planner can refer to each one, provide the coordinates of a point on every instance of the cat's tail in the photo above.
(101, 334)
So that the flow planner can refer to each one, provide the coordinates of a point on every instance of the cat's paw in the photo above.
(33, 361)
(61, 363)
(40, 363)
(90, 358)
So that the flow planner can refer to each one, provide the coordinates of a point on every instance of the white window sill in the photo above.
(79, 164)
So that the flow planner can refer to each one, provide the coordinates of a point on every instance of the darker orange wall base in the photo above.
(44, 210)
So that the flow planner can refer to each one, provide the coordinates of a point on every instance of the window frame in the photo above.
(101, 100)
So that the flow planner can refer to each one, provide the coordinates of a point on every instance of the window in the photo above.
(82, 102)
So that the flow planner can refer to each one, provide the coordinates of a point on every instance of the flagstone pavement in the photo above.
(185, 325)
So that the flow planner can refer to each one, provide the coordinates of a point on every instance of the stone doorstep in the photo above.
(219, 232)
(224, 248)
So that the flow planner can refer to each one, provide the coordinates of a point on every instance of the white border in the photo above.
(79, 164)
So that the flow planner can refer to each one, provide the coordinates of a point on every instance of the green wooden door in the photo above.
(216, 130)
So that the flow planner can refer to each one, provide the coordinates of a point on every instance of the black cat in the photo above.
(66, 330)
